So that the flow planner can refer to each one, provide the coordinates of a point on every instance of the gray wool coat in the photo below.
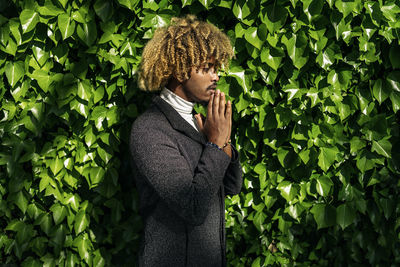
(181, 183)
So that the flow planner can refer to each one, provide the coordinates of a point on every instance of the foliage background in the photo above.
(316, 90)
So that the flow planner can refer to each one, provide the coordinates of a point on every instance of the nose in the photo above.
(215, 76)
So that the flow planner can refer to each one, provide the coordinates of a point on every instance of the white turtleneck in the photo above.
(182, 106)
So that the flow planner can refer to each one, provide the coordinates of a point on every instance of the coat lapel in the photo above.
(177, 122)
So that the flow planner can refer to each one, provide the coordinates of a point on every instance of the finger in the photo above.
(228, 110)
(222, 104)
(210, 104)
(216, 103)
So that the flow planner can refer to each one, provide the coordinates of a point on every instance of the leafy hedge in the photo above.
(316, 90)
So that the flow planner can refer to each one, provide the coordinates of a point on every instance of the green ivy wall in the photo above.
(316, 90)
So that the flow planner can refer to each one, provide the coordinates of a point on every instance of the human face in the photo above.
(201, 84)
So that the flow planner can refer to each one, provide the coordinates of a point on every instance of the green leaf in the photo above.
(274, 16)
(324, 215)
(96, 175)
(155, 20)
(243, 79)
(29, 19)
(347, 7)
(295, 210)
(345, 215)
(296, 45)
(186, 3)
(324, 185)
(381, 90)
(103, 9)
(87, 32)
(364, 162)
(45, 222)
(20, 200)
(206, 3)
(241, 10)
(81, 222)
(273, 57)
(49, 10)
(312, 8)
(251, 37)
(43, 79)
(56, 165)
(130, 4)
(84, 90)
(66, 25)
(387, 205)
(382, 147)
(327, 157)
(356, 144)
(395, 98)
(394, 80)
(59, 212)
(14, 72)
(288, 190)
(259, 220)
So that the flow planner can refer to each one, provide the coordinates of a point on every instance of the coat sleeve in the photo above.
(160, 163)
(233, 179)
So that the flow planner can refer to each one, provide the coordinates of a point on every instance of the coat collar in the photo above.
(177, 122)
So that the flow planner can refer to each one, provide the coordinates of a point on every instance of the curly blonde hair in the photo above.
(175, 49)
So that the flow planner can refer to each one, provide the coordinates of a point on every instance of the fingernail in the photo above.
(222, 93)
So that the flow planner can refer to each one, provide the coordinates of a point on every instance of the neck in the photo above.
(177, 88)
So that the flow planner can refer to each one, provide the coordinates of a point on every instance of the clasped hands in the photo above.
(218, 123)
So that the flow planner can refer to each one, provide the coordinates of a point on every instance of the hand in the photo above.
(217, 126)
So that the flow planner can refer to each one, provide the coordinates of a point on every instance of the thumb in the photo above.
(199, 120)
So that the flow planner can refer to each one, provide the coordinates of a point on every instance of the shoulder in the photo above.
(151, 126)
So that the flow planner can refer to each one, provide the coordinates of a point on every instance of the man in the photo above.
(184, 164)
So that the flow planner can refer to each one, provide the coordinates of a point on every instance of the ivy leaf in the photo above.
(130, 4)
(243, 79)
(395, 98)
(324, 215)
(206, 3)
(59, 212)
(326, 157)
(96, 175)
(296, 45)
(103, 9)
(81, 222)
(274, 17)
(66, 25)
(83, 245)
(259, 220)
(382, 147)
(14, 72)
(87, 32)
(186, 3)
(288, 190)
(345, 215)
(394, 80)
(324, 185)
(29, 19)
(273, 57)
(152, 20)
(381, 90)
(251, 36)
(42, 78)
(56, 165)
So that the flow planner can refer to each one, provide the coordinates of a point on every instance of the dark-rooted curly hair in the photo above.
(175, 49)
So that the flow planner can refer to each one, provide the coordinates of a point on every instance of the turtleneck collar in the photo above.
(181, 105)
